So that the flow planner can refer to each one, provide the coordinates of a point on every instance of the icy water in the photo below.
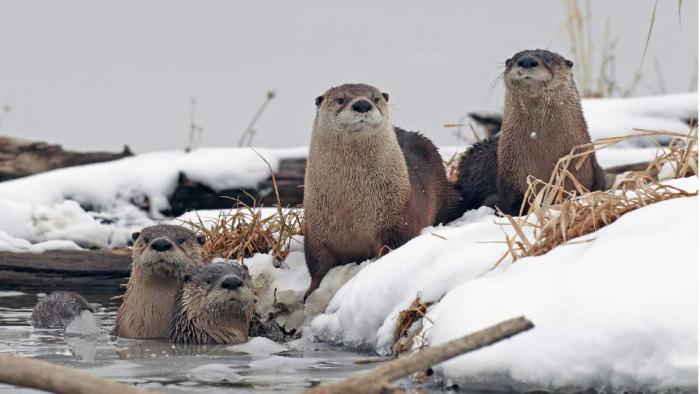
(158, 365)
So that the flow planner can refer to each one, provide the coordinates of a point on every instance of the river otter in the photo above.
(162, 255)
(368, 185)
(542, 122)
(58, 309)
(214, 305)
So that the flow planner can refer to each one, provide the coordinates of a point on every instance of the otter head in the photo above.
(167, 250)
(353, 108)
(214, 305)
(534, 71)
(221, 287)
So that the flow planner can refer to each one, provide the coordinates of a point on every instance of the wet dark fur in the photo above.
(57, 309)
(428, 179)
(552, 110)
(478, 170)
(198, 319)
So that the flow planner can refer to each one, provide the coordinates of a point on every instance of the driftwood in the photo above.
(27, 372)
(189, 194)
(19, 158)
(64, 269)
(378, 380)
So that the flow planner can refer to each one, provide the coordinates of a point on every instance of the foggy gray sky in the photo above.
(99, 74)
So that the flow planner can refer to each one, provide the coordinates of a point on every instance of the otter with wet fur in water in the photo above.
(162, 256)
(369, 186)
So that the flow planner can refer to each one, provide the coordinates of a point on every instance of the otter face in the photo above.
(167, 250)
(224, 287)
(353, 107)
(537, 69)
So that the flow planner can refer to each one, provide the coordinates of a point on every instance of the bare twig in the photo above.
(378, 380)
(42, 375)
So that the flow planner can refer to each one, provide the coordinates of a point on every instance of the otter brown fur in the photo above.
(161, 258)
(542, 122)
(58, 309)
(214, 306)
(368, 185)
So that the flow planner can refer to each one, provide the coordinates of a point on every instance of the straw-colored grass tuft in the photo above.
(405, 330)
(245, 230)
(562, 209)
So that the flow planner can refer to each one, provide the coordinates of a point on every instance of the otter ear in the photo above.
(187, 278)
(135, 235)
(386, 96)
(201, 239)
(319, 100)
(569, 63)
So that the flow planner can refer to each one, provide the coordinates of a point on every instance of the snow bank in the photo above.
(619, 311)
(153, 175)
(96, 205)
(610, 117)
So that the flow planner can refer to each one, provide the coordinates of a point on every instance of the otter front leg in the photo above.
(509, 201)
(319, 260)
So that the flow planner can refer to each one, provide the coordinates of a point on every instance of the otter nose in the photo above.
(161, 245)
(232, 283)
(362, 106)
(527, 62)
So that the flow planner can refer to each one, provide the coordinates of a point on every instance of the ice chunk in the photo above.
(259, 346)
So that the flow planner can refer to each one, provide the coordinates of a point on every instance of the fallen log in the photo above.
(42, 375)
(20, 158)
(378, 380)
(189, 194)
(65, 269)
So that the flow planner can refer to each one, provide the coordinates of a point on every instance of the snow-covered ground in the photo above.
(616, 312)
(611, 117)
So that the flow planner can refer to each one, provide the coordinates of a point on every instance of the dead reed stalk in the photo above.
(561, 209)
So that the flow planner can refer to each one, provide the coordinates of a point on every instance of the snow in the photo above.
(150, 175)
(616, 312)
(259, 346)
(611, 117)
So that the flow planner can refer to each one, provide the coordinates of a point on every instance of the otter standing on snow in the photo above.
(162, 256)
(214, 306)
(542, 122)
(368, 185)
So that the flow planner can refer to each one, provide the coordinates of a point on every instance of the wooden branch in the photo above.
(42, 375)
(379, 379)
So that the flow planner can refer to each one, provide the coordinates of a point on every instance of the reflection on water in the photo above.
(159, 365)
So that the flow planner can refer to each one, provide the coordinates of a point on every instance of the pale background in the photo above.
(100, 74)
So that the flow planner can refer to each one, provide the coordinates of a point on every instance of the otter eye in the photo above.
(509, 62)
(135, 235)
(201, 239)
(181, 240)
(376, 100)
(208, 281)
(146, 239)
(340, 100)
(187, 278)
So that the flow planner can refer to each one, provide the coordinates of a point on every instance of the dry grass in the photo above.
(244, 230)
(595, 65)
(562, 209)
(403, 340)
